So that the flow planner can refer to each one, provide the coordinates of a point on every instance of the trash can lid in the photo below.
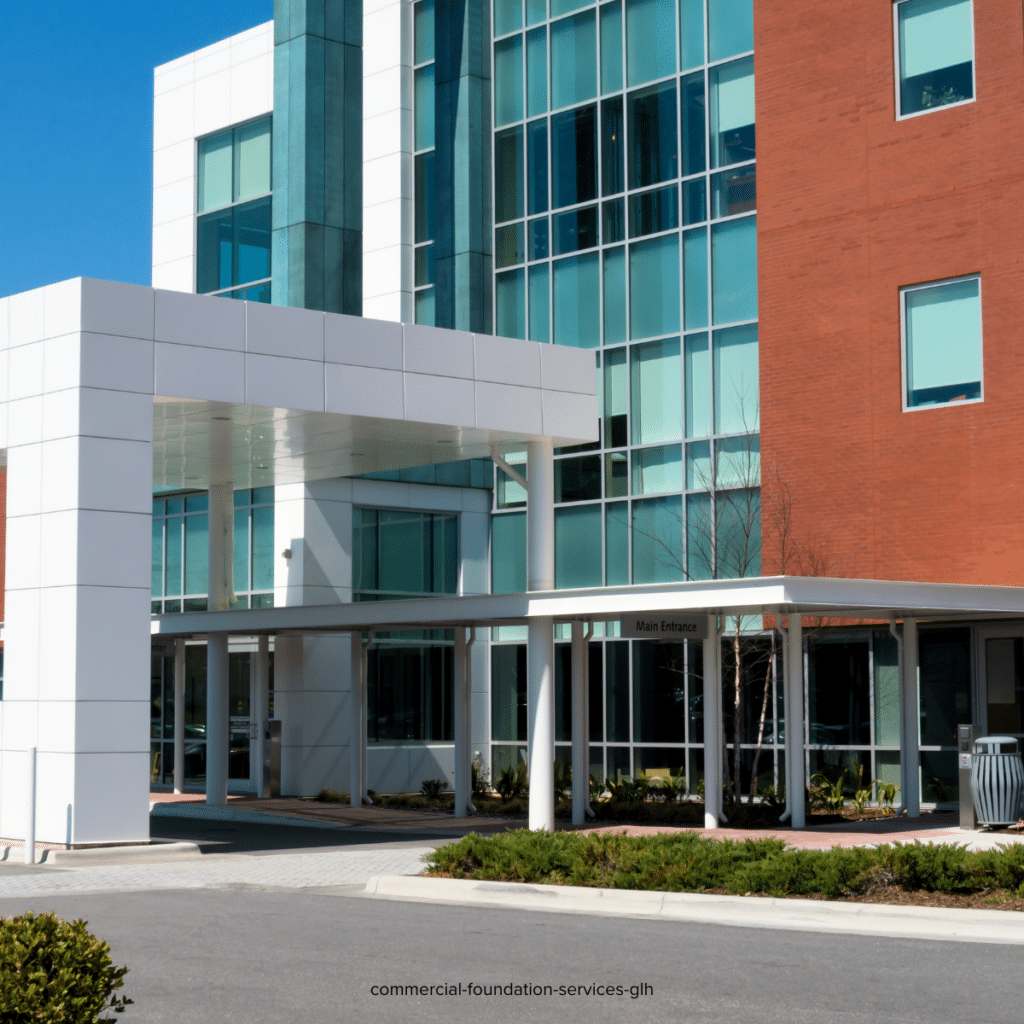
(994, 744)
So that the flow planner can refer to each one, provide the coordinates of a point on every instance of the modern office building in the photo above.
(786, 234)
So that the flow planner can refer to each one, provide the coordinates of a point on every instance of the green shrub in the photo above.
(433, 788)
(332, 796)
(55, 972)
(513, 783)
(481, 779)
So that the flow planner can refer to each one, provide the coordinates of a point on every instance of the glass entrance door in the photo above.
(239, 695)
(1001, 650)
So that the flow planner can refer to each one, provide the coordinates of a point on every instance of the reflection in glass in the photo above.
(510, 305)
(654, 211)
(611, 48)
(734, 191)
(536, 72)
(540, 328)
(650, 40)
(653, 133)
(573, 60)
(612, 177)
(734, 270)
(508, 174)
(732, 112)
(574, 230)
(574, 156)
(614, 295)
(577, 316)
(654, 287)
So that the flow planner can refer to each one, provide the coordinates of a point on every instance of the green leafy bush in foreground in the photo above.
(686, 862)
(52, 971)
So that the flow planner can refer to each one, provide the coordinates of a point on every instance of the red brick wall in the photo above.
(852, 205)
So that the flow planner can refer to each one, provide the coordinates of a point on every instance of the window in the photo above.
(233, 230)
(402, 552)
(942, 343)
(935, 52)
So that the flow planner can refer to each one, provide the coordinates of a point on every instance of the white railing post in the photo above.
(30, 831)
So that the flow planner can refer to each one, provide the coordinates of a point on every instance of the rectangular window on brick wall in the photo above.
(934, 54)
(942, 352)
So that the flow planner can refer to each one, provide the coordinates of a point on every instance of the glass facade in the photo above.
(423, 161)
(233, 207)
(935, 54)
(625, 222)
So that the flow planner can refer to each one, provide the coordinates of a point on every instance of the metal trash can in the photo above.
(997, 780)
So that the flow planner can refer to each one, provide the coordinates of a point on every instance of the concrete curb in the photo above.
(121, 854)
(934, 923)
(205, 811)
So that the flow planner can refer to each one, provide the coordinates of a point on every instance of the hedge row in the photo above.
(687, 862)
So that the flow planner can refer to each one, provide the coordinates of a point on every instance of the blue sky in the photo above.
(76, 110)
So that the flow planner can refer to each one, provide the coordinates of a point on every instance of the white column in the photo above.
(712, 725)
(258, 710)
(30, 809)
(786, 775)
(795, 722)
(580, 725)
(540, 635)
(910, 723)
(462, 772)
(179, 716)
(221, 538)
(357, 727)
(217, 722)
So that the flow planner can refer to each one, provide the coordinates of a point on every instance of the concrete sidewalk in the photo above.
(932, 923)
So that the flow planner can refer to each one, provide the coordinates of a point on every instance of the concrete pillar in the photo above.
(462, 771)
(258, 710)
(221, 545)
(712, 725)
(179, 716)
(786, 773)
(580, 725)
(910, 723)
(217, 720)
(795, 721)
(540, 635)
(357, 731)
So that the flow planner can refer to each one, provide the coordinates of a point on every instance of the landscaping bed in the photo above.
(909, 874)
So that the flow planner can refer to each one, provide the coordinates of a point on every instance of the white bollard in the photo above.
(30, 832)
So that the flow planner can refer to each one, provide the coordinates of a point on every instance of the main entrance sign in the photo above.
(664, 627)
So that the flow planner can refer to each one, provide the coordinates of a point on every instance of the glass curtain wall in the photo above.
(423, 160)
(625, 222)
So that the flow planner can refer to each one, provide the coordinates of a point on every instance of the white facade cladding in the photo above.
(109, 390)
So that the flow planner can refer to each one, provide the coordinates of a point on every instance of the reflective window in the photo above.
(536, 72)
(577, 315)
(936, 53)
(233, 246)
(508, 83)
(578, 546)
(508, 174)
(611, 48)
(540, 326)
(574, 230)
(658, 470)
(510, 304)
(614, 294)
(423, 120)
(395, 551)
(537, 170)
(650, 40)
(654, 211)
(732, 112)
(734, 270)
(730, 27)
(942, 342)
(508, 16)
(573, 60)
(658, 540)
(736, 380)
(656, 395)
(574, 156)
(653, 133)
(654, 287)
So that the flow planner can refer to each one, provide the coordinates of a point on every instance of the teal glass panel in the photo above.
(693, 115)
(560, 7)
(695, 204)
(654, 211)
(263, 547)
(654, 134)
(654, 287)
(691, 33)
(655, 392)
(738, 535)
(738, 461)
(611, 48)
(175, 506)
(537, 166)
(402, 552)
(242, 497)
(736, 380)
(423, 31)
(936, 53)
(508, 692)
(698, 386)
(578, 547)
(650, 40)
(512, 494)
(577, 316)
(251, 241)
(616, 398)
(730, 28)
(424, 196)
(215, 171)
(577, 479)
(657, 540)
(613, 221)
(172, 570)
(195, 503)
(426, 307)
(508, 174)
(616, 475)
(734, 270)
(197, 555)
(157, 571)
(444, 554)
(699, 536)
(658, 470)
(364, 549)
(536, 10)
(734, 192)
(574, 157)
(508, 82)
(424, 104)
(574, 230)
(263, 495)
(508, 16)
(508, 553)
(616, 543)
(510, 305)
(698, 466)
(617, 705)
(614, 295)
(573, 60)
(252, 160)
(536, 72)
(538, 244)
(214, 251)
(540, 317)
(943, 336)
(425, 268)
(732, 112)
(240, 542)
(509, 246)
(159, 507)
(613, 178)
(695, 277)
(885, 656)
